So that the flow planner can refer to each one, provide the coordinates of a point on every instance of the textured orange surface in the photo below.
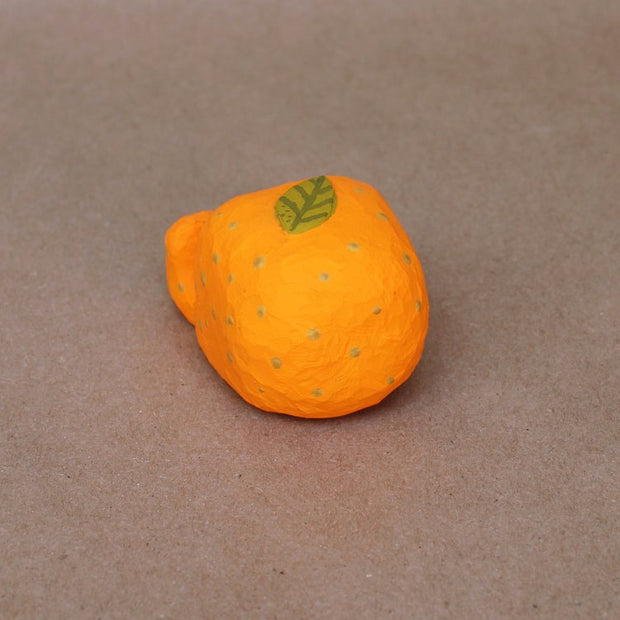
(317, 324)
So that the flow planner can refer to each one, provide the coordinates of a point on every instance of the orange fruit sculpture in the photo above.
(307, 298)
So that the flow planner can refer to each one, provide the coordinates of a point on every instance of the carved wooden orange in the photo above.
(307, 298)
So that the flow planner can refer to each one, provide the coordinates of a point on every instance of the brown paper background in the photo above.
(135, 484)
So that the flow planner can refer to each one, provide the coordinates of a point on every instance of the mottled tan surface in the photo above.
(135, 483)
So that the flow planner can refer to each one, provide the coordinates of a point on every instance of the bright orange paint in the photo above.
(314, 322)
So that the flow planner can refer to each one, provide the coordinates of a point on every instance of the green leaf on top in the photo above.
(306, 205)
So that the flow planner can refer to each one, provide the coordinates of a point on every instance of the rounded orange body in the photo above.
(307, 298)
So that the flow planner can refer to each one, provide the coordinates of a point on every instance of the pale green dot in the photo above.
(390, 380)
(231, 278)
(382, 216)
(199, 324)
(407, 259)
(324, 277)
(318, 392)
(260, 311)
(313, 334)
(376, 310)
(276, 362)
(230, 320)
(203, 278)
(355, 352)
(181, 287)
(418, 305)
(261, 389)
(218, 214)
(213, 312)
(354, 247)
(259, 261)
(359, 190)
(216, 258)
(232, 225)
(229, 356)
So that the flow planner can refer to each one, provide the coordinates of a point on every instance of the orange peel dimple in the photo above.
(308, 298)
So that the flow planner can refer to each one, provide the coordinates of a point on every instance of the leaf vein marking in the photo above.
(314, 217)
